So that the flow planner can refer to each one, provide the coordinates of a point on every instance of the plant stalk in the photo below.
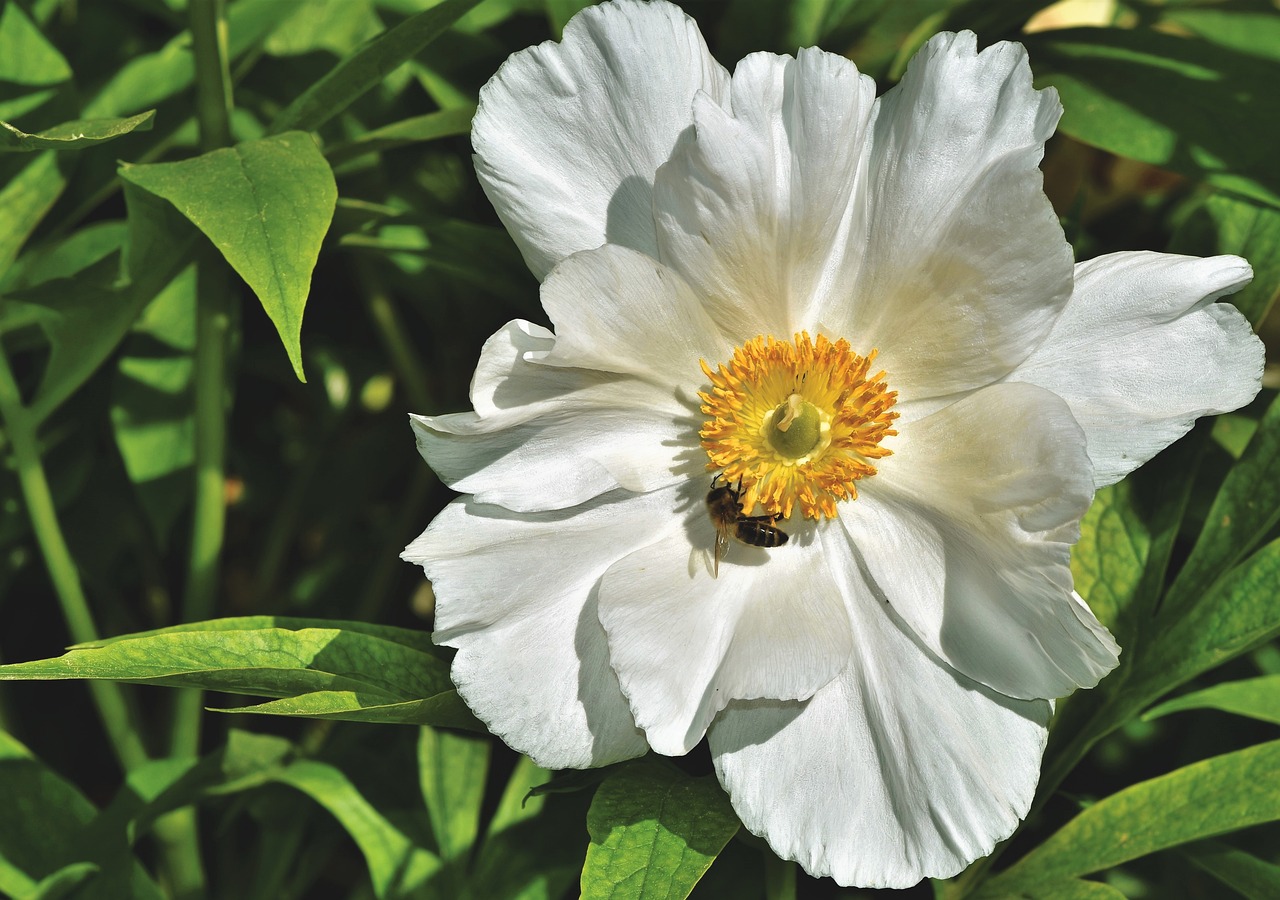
(108, 697)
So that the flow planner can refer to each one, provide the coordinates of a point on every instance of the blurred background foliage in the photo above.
(1168, 142)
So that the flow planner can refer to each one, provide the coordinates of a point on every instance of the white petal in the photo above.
(549, 437)
(568, 136)
(516, 595)
(966, 533)
(616, 310)
(965, 266)
(684, 643)
(898, 770)
(756, 211)
(1141, 351)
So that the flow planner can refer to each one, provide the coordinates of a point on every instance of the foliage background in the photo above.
(106, 291)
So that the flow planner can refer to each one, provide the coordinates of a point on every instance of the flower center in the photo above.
(797, 421)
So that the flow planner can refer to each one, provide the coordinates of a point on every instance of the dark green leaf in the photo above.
(1253, 878)
(25, 200)
(48, 826)
(1241, 612)
(1244, 788)
(266, 205)
(1243, 512)
(1177, 102)
(431, 127)
(654, 832)
(1258, 698)
(396, 865)
(75, 135)
(366, 68)
(1227, 224)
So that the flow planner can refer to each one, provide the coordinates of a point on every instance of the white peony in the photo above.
(863, 315)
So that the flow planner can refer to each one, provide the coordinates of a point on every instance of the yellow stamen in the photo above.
(797, 421)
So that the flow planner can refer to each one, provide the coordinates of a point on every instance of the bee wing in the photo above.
(722, 544)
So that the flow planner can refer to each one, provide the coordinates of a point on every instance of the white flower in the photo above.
(875, 692)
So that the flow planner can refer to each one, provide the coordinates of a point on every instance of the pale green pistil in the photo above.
(795, 427)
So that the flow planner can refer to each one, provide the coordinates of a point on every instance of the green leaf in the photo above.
(25, 200)
(1070, 889)
(74, 135)
(1226, 224)
(154, 77)
(266, 205)
(271, 662)
(1177, 102)
(152, 404)
(1255, 33)
(1154, 815)
(444, 710)
(26, 58)
(66, 882)
(654, 832)
(396, 866)
(524, 856)
(1257, 698)
(324, 25)
(1241, 612)
(409, 637)
(1108, 561)
(65, 258)
(1253, 878)
(48, 826)
(431, 127)
(451, 773)
(1245, 509)
(367, 67)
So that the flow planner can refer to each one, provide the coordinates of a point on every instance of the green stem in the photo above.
(177, 833)
(779, 877)
(108, 697)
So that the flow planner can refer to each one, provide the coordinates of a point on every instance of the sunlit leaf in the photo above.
(451, 773)
(1108, 561)
(444, 710)
(266, 205)
(271, 662)
(74, 135)
(26, 56)
(66, 882)
(1255, 33)
(1177, 102)
(152, 404)
(654, 832)
(1154, 815)
(366, 68)
(1258, 698)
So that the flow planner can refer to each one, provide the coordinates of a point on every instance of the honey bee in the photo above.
(724, 506)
